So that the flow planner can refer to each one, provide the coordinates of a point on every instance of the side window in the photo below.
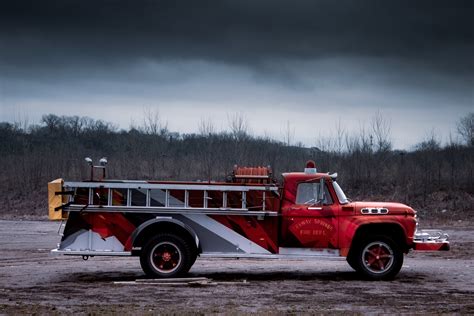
(307, 193)
(327, 196)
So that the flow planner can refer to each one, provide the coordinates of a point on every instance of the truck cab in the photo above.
(316, 216)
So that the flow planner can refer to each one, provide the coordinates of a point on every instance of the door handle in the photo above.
(314, 208)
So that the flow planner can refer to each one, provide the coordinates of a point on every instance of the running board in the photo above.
(271, 256)
(309, 252)
(90, 253)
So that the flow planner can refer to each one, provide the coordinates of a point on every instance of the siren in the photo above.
(310, 167)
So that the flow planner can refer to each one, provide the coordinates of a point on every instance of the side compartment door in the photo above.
(307, 222)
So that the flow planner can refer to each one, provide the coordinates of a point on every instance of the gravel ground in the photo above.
(34, 282)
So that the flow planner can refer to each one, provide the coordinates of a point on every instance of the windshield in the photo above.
(340, 194)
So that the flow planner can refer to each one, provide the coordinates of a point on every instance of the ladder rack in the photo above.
(148, 197)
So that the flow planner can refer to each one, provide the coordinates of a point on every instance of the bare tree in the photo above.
(352, 143)
(51, 121)
(381, 128)
(238, 125)
(206, 127)
(431, 142)
(325, 143)
(22, 121)
(366, 139)
(340, 134)
(288, 133)
(152, 122)
(466, 128)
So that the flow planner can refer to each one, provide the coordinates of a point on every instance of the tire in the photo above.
(352, 262)
(378, 258)
(193, 259)
(166, 256)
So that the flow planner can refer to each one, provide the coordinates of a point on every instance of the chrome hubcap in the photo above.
(377, 257)
(165, 257)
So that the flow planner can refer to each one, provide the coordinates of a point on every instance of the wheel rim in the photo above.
(165, 257)
(377, 257)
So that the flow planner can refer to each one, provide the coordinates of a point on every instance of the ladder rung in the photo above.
(148, 198)
(206, 197)
(224, 199)
(129, 197)
(244, 199)
(186, 198)
(109, 197)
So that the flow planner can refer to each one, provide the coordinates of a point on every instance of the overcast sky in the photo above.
(311, 63)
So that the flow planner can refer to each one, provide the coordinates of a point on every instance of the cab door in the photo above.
(309, 220)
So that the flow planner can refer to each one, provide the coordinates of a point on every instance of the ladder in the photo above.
(170, 198)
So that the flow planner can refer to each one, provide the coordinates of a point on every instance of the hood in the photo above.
(392, 207)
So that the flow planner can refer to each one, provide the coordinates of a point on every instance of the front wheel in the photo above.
(378, 258)
(166, 256)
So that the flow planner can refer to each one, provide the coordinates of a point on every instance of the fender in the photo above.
(169, 220)
(348, 229)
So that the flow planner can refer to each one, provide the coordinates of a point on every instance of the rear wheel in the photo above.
(166, 256)
(378, 258)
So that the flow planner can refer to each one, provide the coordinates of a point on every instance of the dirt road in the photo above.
(33, 281)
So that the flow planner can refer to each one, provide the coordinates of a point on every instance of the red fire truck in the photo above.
(168, 224)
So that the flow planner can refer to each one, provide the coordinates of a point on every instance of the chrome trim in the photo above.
(269, 256)
(374, 211)
(311, 252)
(89, 253)
(368, 265)
(430, 235)
(163, 186)
(152, 255)
(167, 210)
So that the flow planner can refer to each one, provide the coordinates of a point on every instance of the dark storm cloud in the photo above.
(430, 35)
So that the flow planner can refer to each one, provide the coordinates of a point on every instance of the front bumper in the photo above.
(430, 240)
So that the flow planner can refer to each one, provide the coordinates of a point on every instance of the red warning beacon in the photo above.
(310, 167)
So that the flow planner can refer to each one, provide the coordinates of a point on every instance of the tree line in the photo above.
(431, 177)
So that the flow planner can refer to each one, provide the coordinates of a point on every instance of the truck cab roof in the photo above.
(304, 176)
